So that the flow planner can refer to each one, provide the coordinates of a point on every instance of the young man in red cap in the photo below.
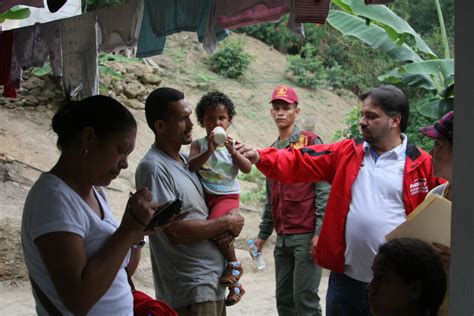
(376, 181)
(296, 212)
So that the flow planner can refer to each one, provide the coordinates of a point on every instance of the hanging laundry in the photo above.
(378, 1)
(119, 26)
(294, 27)
(80, 69)
(32, 46)
(6, 46)
(166, 17)
(232, 14)
(148, 43)
(311, 11)
(8, 4)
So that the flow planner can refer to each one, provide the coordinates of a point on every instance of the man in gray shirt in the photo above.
(186, 263)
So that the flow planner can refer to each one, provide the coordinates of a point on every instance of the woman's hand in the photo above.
(139, 211)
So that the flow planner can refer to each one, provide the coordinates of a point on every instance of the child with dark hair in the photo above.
(409, 279)
(218, 166)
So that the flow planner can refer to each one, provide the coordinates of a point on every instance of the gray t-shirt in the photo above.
(182, 274)
(52, 206)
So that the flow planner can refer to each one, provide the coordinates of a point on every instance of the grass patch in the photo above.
(255, 196)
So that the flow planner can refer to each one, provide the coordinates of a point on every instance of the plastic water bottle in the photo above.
(256, 255)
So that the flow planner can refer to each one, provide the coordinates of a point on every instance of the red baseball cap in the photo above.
(440, 129)
(284, 93)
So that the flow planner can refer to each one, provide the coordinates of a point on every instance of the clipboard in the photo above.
(430, 222)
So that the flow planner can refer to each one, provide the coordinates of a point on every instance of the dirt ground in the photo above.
(27, 148)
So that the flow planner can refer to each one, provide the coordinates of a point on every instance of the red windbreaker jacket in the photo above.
(339, 164)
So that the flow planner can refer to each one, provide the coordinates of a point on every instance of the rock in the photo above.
(117, 87)
(134, 104)
(14, 105)
(134, 89)
(5, 158)
(130, 78)
(36, 92)
(138, 69)
(149, 78)
(117, 67)
(105, 81)
(31, 100)
(122, 99)
(32, 83)
(42, 99)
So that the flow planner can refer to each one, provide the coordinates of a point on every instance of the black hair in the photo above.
(415, 260)
(157, 105)
(212, 100)
(392, 100)
(103, 114)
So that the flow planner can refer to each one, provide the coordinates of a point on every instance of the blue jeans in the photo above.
(346, 296)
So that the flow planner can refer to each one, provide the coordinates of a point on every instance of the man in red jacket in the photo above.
(296, 213)
(376, 182)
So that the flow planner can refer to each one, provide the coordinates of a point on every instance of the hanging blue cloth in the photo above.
(166, 17)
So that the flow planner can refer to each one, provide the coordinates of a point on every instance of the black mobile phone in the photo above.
(164, 213)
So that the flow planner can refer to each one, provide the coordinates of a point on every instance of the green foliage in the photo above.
(419, 67)
(352, 122)
(230, 60)
(103, 57)
(276, 35)
(251, 197)
(421, 14)
(340, 77)
(356, 66)
(106, 70)
(256, 196)
(416, 121)
(309, 71)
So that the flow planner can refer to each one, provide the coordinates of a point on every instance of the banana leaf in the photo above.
(435, 108)
(43, 71)
(430, 74)
(397, 28)
(15, 13)
(371, 34)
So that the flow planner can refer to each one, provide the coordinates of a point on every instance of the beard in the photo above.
(374, 138)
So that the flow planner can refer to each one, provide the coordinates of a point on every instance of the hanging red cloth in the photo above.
(311, 11)
(6, 44)
(144, 305)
